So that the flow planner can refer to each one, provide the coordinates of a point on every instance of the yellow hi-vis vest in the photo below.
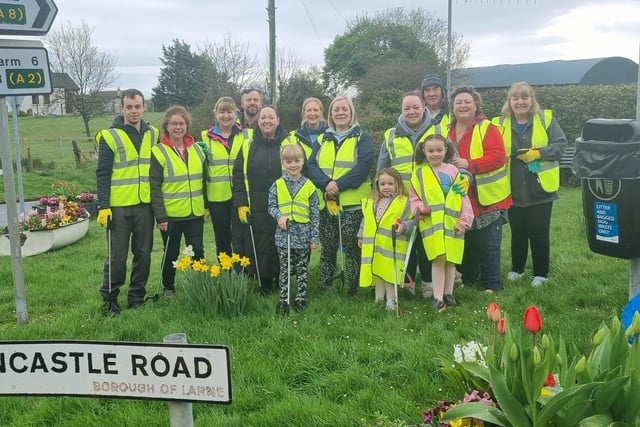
(295, 207)
(441, 128)
(549, 173)
(293, 139)
(438, 230)
(493, 186)
(182, 183)
(130, 174)
(337, 164)
(220, 165)
(401, 155)
(377, 244)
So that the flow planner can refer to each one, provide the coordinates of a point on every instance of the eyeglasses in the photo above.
(176, 124)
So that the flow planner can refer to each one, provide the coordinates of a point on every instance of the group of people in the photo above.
(447, 180)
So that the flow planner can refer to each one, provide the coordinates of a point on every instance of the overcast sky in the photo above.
(499, 31)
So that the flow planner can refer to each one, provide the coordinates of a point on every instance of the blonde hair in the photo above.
(523, 90)
(176, 110)
(354, 117)
(226, 103)
(292, 152)
(308, 101)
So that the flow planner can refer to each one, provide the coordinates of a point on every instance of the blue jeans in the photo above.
(481, 257)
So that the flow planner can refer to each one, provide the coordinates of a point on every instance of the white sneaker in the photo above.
(391, 305)
(538, 281)
(513, 276)
(427, 290)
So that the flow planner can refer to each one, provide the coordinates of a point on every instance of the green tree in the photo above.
(185, 78)
(292, 92)
(367, 45)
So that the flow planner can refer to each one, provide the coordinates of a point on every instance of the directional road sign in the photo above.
(26, 17)
(24, 68)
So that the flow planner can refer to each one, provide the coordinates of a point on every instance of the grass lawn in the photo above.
(336, 364)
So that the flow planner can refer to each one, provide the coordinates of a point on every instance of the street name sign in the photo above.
(182, 372)
(24, 68)
(26, 17)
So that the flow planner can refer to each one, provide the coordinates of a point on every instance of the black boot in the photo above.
(111, 308)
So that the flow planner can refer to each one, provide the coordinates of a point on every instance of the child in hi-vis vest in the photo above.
(443, 215)
(294, 203)
(387, 210)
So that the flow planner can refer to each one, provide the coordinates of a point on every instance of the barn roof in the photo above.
(596, 71)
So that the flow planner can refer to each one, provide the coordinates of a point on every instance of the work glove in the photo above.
(333, 208)
(104, 216)
(534, 166)
(204, 147)
(462, 186)
(207, 214)
(529, 155)
(243, 214)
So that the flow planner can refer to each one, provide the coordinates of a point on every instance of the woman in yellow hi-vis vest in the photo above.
(444, 215)
(177, 177)
(534, 143)
(339, 166)
(223, 142)
(481, 151)
(385, 211)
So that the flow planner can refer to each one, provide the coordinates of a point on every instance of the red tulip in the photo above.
(532, 319)
(551, 381)
(493, 312)
(502, 328)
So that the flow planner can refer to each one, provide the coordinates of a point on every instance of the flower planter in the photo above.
(41, 241)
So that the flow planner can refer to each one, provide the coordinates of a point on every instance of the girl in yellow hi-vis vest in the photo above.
(385, 211)
(444, 215)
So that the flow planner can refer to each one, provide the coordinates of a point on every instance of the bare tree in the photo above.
(72, 51)
(233, 58)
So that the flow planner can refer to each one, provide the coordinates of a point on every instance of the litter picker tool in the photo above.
(155, 296)
(253, 244)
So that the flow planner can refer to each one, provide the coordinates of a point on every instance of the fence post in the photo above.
(180, 413)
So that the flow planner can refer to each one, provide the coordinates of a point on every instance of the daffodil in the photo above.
(244, 261)
(215, 270)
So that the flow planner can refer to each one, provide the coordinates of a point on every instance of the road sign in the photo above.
(27, 17)
(24, 68)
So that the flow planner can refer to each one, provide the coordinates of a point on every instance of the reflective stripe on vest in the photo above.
(130, 173)
(182, 182)
(549, 172)
(438, 230)
(295, 207)
(377, 243)
(441, 128)
(220, 166)
(246, 146)
(493, 186)
(336, 165)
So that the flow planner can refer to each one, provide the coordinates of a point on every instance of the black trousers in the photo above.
(192, 230)
(530, 227)
(129, 225)
(227, 228)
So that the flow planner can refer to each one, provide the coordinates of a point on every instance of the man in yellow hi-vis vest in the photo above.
(124, 200)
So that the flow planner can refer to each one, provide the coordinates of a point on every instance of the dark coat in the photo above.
(264, 168)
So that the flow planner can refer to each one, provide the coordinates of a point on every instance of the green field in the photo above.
(336, 364)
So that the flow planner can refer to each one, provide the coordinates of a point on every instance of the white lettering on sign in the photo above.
(114, 369)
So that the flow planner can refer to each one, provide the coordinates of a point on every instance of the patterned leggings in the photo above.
(299, 268)
(330, 240)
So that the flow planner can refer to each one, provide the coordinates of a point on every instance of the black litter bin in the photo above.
(607, 161)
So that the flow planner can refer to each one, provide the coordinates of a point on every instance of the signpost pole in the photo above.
(180, 413)
(634, 263)
(16, 137)
(12, 215)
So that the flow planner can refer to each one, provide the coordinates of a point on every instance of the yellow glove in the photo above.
(333, 208)
(243, 214)
(104, 216)
(529, 155)
(462, 186)
(207, 214)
